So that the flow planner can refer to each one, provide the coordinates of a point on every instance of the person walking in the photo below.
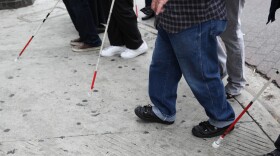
(81, 16)
(187, 45)
(123, 33)
(232, 60)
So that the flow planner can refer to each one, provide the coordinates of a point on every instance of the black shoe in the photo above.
(146, 113)
(230, 96)
(147, 10)
(149, 16)
(273, 153)
(206, 130)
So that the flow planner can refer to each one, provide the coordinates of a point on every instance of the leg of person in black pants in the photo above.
(276, 152)
(82, 19)
(123, 32)
(147, 10)
(98, 14)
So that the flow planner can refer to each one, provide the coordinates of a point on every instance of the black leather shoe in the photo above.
(146, 113)
(206, 130)
(149, 16)
(273, 153)
(148, 12)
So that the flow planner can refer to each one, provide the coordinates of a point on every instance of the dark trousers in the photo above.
(148, 3)
(123, 29)
(98, 11)
(277, 143)
(82, 19)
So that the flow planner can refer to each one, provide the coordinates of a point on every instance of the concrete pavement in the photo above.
(45, 110)
(262, 41)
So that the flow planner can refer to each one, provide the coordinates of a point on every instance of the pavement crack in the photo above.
(76, 136)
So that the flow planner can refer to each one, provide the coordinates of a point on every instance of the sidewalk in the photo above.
(262, 41)
(45, 110)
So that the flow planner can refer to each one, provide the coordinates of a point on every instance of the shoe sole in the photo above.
(117, 53)
(85, 50)
(209, 136)
(134, 56)
(153, 120)
(75, 43)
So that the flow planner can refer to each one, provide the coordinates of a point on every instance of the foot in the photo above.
(147, 10)
(129, 53)
(85, 48)
(273, 153)
(206, 130)
(148, 16)
(76, 42)
(146, 113)
(112, 50)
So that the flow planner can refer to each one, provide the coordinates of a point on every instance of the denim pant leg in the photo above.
(234, 43)
(84, 21)
(164, 77)
(196, 50)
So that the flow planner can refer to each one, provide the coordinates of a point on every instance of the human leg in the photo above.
(84, 22)
(196, 50)
(234, 43)
(126, 20)
(164, 76)
(148, 10)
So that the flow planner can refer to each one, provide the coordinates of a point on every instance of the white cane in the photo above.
(35, 33)
(101, 48)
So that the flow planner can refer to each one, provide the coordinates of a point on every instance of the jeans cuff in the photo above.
(162, 116)
(220, 124)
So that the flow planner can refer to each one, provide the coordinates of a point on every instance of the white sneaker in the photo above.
(129, 53)
(112, 50)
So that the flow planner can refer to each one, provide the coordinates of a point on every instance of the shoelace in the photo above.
(207, 126)
(147, 108)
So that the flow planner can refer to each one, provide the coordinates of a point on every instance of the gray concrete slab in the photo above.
(261, 40)
(45, 109)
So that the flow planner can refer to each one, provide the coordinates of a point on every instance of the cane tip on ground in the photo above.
(89, 93)
(16, 59)
(215, 145)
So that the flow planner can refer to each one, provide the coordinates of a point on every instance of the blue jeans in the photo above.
(193, 54)
(82, 19)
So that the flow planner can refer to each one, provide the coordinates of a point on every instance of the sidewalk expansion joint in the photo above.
(255, 121)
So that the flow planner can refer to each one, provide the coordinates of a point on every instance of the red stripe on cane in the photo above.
(93, 80)
(26, 46)
(237, 119)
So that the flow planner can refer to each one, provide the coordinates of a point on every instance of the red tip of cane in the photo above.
(93, 80)
(26, 45)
